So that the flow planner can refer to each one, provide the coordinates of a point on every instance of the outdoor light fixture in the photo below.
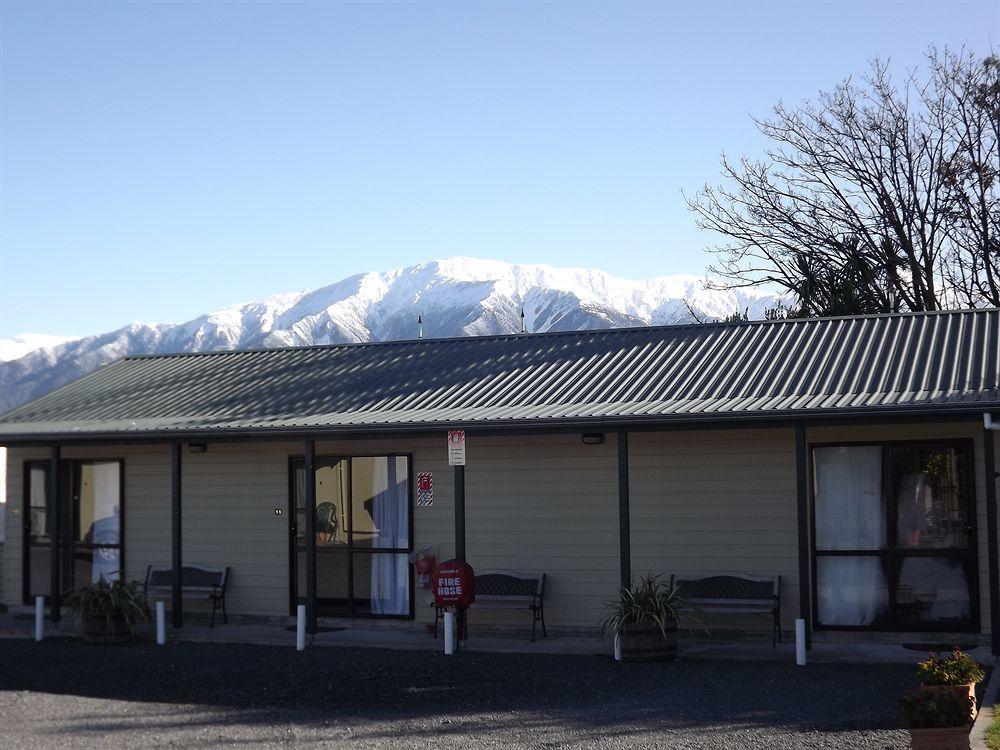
(593, 438)
(197, 447)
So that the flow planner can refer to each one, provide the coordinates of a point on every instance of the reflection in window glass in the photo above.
(930, 512)
(97, 509)
(38, 508)
(932, 589)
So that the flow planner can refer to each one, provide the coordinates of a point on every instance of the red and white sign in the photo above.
(453, 583)
(425, 489)
(456, 447)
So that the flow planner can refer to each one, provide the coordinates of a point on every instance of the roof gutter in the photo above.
(373, 431)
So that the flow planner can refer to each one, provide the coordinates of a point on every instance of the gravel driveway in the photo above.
(67, 694)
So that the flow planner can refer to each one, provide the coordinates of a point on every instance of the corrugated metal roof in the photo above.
(874, 364)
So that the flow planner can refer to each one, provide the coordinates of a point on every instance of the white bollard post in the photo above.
(300, 628)
(800, 642)
(39, 617)
(161, 623)
(618, 646)
(449, 633)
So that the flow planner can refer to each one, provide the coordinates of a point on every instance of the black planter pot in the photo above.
(105, 629)
(649, 643)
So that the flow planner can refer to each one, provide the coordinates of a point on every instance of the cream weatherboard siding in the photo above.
(716, 501)
(546, 505)
(701, 501)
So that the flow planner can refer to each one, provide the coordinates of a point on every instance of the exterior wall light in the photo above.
(593, 438)
(197, 447)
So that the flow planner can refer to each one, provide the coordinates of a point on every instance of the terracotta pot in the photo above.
(960, 690)
(945, 738)
(648, 643)
(105, 629)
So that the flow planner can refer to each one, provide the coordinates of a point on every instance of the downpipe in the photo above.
(988, 422)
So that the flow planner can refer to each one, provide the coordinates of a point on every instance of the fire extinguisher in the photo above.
(425, 561)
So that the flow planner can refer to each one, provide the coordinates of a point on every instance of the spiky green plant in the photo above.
(119, 597)
(648, 602)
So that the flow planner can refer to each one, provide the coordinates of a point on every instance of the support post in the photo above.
(310, 511)
(55, 534)
(624, 524)
(802, 494)
(161, 624)
(460, 512)
(989, 462)
(176, 546)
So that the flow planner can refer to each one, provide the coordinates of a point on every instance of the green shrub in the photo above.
(648, 602)
(957, 668)
(926, 709)
(115, 598)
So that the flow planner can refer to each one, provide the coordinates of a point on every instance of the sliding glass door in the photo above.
(363, 536)
(895, 544)
(90, 519)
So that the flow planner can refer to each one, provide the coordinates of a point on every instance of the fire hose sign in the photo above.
(453, 583)
(425, 489)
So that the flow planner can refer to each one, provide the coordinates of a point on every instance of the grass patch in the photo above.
(993, 734)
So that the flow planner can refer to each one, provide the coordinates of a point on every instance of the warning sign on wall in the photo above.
(456, 447)
(425, 489)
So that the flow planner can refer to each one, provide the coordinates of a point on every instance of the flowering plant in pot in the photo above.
(644, 618)
(937, 720)
(107, 611)
(957, 672)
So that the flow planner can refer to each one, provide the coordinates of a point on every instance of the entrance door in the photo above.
(90, 508)
(363, 536)
(895, 537)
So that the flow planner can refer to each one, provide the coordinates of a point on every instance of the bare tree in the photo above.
(875, 197)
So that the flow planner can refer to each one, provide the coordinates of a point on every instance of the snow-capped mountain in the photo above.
(21, 344)
(455, 297)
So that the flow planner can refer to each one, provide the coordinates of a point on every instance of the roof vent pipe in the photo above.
(523, 329)
(420, 326)
(988, 422)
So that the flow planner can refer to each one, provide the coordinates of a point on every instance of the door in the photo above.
(90, 516)
(895, 537)
(363, 536)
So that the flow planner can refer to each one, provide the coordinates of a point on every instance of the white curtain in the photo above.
(107, 520)
(850, 590)
(390, 572)
(850, 515)
(850, 509)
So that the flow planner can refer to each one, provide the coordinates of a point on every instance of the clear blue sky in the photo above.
(163, 160)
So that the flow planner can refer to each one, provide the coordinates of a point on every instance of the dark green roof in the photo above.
(886, 364)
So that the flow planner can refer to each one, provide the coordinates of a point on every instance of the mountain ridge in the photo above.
(457, 296)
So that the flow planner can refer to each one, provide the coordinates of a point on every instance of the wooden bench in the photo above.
(197, 582)
(507, 589)
(733, 593)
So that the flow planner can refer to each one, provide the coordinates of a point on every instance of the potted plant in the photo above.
(957, 672)
(937, 720)
(106, 612)
(644, 618)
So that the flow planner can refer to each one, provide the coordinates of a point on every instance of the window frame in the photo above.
(70, 476)
(892, 555)
(349, 550)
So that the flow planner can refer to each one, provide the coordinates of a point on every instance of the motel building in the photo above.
(854, 457)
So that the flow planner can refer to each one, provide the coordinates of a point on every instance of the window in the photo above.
(90, 515)
(363, 511)
(894, 536)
